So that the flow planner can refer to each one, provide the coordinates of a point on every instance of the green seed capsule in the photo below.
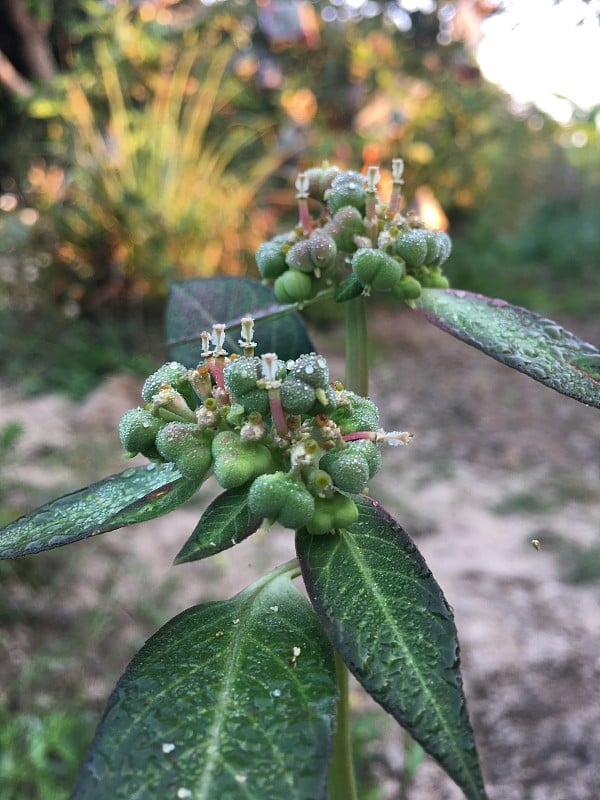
(270, 259)
(332, 513)
(138, 429)
(277, 496)
(408, 288)
(311, 368)
(435, 280)
(436, 243)
(298, 507)
(195, 464)
(369, 451)
(376, 269)
(412, 246)
(319, 180)
(444, 248)
(359, 414)
(177, 438)
(349, 470)
(173, 373)
(241, 375)
(236, 461)
(293, 286)
(297, 396)
(345, 225)
(299, 257)
(322, 250)
(347, 189)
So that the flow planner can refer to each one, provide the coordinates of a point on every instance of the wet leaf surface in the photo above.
(135, 495)
(388, 618)
(521, 339)
(195, 305)
(231, 699)
(225, 522)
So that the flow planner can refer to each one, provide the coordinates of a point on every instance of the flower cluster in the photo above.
(384, 250)
(300, 443)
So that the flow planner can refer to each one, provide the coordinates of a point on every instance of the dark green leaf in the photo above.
(195, 305)
(348, 289)
(219, 704)
(518, 338)
(225, 522)
(136, 495)
(389, 620)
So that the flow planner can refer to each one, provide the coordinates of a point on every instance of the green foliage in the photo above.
(247, 697)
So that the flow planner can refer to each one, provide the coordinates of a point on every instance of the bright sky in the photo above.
(537, 49)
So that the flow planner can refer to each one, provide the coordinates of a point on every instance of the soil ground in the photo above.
(497, 461)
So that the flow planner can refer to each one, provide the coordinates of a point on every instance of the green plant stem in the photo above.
(342, 785)
(357, 364)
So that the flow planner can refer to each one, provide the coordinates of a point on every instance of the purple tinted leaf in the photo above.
(519, 338)
(195, 305)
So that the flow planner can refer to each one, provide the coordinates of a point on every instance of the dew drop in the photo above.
(276, 692)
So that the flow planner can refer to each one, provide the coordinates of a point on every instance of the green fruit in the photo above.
(435, 280)
(299, 257)
(349, 470)
(195, 464)
(236, 460)
(444, 247)
(241, 375)
(369, 451)
(174, 374)
(277, 496)
(297, 397)
(346, 224)
(360, 415)
(376, 269)
(332, 513)
(439, 246)
(270, 259)
(412, 246)
(319, 180)
(138, 429)
(347, 189)
(408, 288)
(177, 438)
(267, 495)
(322, 250)
(293, 286)
(312, 369)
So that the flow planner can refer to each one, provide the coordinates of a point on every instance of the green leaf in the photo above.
(348, 289)
(135, 495)
(225, 522)
(195, 305)
(518, 338)
(390, 622)
(219, 704)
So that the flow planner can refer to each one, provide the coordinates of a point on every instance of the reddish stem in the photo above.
(277, 412)
(352, 437)
(216, 367)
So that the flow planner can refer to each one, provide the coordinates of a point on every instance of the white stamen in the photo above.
(218, 339)
(372, 178)
(206, 351)
(302, 185)
(269, 370)
(247, 332)
(393, 438)
(397, 169)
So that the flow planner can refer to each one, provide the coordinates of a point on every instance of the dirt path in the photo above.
(497, 461)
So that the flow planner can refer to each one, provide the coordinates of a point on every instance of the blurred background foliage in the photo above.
(150, 139)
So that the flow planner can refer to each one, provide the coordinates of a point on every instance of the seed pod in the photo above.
(236, 460)
(177, 438)
(299, 257)
(319, 180)
(369, 451)
(345, 225)
(277, 496)
(311, 368)
(297, 396)
(444, 248)
(293, 286)
(408, 288)
(438, 244)
(172, 373)
(195, 464)
(435, 280)
(347, 189)
(299, 506)
(332, 513)
(270, 259)
(349, 470)
(322, 250)
(241, 381)
(138, 429)
(412, 246)
(360, 414)
(376, 269)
